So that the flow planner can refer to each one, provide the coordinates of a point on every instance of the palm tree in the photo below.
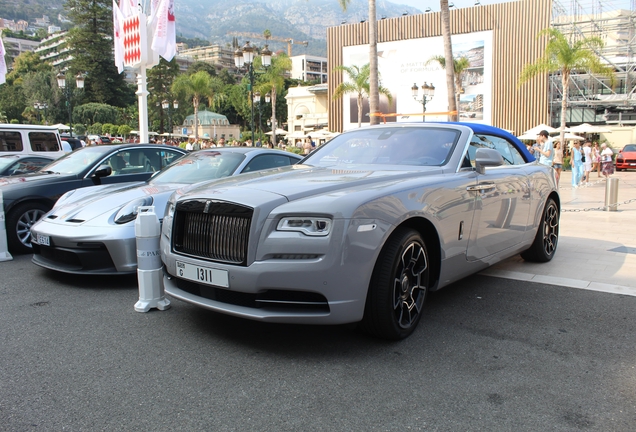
(460, 64)
(359, 84)
(197, 86)
(448, 56)
(565, 56)
(273, 82)
(374, 86)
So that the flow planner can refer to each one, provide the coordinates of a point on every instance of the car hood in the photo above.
(102, 202)
(299, 181)
(32, 179)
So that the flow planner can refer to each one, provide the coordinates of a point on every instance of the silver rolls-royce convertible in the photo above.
(363, 228)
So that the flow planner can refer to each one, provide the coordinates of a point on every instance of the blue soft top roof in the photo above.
(479, 128)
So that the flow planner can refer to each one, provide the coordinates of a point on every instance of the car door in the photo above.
(136, 164)
(503, 200)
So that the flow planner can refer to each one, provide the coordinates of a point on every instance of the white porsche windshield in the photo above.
(388, 146)
(200, 166)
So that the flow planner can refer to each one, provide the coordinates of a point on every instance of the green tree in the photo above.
(25, 63)
(12, 101)
(358, 84)
(460, 64)
(91, 45)
(195, 87)
(160, 79)
(565, 57)
(273, 82)
(201, 66)
(94, 113)
(124, 130)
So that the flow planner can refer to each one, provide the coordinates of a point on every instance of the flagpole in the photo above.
(142, 93)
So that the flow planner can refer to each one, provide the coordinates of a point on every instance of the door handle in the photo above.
(481, 187)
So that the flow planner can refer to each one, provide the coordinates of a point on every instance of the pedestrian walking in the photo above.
(606, 160)
(596, 159)
(587, 161)
(544, 149)
(576, 161)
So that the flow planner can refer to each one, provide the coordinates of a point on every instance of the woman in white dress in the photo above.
(587, 165)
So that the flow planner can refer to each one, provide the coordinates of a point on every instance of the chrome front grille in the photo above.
(212, 230)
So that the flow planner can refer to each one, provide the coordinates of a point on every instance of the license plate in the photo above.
(44, 240)
(633, 164)
(206, 275)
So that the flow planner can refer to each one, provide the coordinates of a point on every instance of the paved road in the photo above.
(491, 354)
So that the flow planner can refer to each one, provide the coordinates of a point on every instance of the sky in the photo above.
(434, 4)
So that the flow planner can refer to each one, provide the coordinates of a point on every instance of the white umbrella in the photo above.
(535, 130)
(528, 137)
(297, 134)
(588, 128)
(571, 136)
(279, 132)
(61, 126)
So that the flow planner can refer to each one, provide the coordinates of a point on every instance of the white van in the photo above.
(30, 139)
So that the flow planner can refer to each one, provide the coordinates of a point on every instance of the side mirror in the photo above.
(487, 157)
(103, 171)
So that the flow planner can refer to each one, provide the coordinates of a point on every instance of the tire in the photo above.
(19, 223)
(545, 242)
(398, 287)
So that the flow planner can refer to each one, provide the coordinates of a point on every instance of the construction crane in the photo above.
(251, 36)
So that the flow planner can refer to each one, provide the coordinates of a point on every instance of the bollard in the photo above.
(4, 250)
(611, 194)
(149, 272)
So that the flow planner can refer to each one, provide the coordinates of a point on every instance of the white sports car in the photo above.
(92, 230)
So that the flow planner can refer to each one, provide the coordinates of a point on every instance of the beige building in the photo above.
(210, 125)
(309, 68)
(307, 109)
(54, 51)
(213, 54)
(14, 46)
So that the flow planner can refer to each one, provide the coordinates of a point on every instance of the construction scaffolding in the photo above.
(593, 99)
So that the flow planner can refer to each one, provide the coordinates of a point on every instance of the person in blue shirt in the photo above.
(545, 148)
(576, 160)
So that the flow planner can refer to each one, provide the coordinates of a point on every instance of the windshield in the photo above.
(6, 161)
(78, 161)
(200, 166)
(388, 146)
(630, 148)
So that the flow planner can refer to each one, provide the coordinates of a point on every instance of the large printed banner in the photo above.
(404, 63)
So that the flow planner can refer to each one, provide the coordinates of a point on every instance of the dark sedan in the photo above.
(27, 198)
(16, 164)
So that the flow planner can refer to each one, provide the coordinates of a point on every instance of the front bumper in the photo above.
(85, 249)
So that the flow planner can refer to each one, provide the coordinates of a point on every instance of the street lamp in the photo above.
(428, 91)
(79, 83)
(165, 104)
(245, 57)
(41, 106)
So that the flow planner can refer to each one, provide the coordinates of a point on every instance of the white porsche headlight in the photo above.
(129, 212)
(308, 225)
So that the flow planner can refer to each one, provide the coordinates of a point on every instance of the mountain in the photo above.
(301, 20)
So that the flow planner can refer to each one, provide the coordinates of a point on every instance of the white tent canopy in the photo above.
(535, 130)
(279, 132)
(61, 126)
(567, 136)
(588, 128)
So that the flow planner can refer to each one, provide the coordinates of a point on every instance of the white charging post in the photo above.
(149, 272)
(4, 250)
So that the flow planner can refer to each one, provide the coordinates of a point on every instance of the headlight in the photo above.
(129, 212)
(311, 226)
